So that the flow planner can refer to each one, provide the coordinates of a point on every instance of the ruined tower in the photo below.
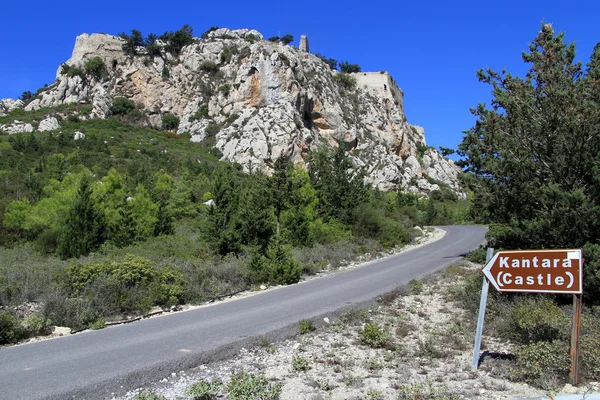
(304, 44)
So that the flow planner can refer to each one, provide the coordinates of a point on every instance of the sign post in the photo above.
(482, 304)
(539, 271)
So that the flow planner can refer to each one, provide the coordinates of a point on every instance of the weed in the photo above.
(373, 335)
(300, 363)
(204, 390)
(244, 385)
(306, 326)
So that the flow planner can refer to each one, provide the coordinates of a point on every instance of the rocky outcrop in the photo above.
(17, 127)
(7, 105)
(48, 124)
(258, 100)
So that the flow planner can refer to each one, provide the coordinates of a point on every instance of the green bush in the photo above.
(345, 81)
(373, 335)
(251, 38)
(227, 53)
(542, 364)
(11, 330)
(306, 326)
(287, 39)
(204, 390)
(246, 386)
(201, 113)
(95, 67)
(535, 319)
(283, 268)
(122, 106)
(212, 129)
(300, 363)
(209, 66)
(415, 286)
(170, 121)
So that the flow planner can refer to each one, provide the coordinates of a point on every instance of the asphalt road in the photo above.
(96, 364)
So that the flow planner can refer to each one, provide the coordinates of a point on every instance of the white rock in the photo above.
(79, 136)
(7, 105)
(48, 124)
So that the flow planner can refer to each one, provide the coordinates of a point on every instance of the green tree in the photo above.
(96, 68)
(143, 212)
(131, 41)
(84, 227)
(536, 151)
(287, 39)
(170, 121)
(339, 184)
(348, 68)
(332, 62)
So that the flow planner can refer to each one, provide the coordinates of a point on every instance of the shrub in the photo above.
(204, 390)
(244, 386)
(227, 53)
(274, 39)
(300, 363)
(345, 81)
(251, 38)
(170, 121)
(96, 67)
(542, 364)
(122, 106)
(165, 72)
(306, 326)
(201, 113)
(11, 330)
(287, 39)
(415, 286)
(225, 89)
(283, 268)
(209, 66)
(38, 324)
(536, 319)
(212, 129)
(373, 335)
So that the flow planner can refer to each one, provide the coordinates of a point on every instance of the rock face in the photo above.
(256, 101)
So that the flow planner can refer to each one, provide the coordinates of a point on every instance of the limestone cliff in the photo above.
(256, 100)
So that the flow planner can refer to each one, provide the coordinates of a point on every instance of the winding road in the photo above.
(98, 364)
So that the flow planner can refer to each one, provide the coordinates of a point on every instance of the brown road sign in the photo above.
(542, 271)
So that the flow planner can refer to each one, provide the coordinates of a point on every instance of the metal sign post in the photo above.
(481, 315)
(577, 305)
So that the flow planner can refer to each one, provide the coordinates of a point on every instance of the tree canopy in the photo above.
(535, 153)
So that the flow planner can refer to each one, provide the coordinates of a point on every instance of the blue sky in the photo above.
(431, 48)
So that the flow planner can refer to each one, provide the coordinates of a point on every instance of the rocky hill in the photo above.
(252, 99)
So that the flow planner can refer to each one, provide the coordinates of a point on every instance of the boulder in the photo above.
(48, 124)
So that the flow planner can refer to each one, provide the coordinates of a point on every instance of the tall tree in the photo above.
(536, 151)
(84, 227)
(339, 184)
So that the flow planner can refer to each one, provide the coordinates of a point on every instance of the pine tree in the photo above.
(84, 227)
(535, 153)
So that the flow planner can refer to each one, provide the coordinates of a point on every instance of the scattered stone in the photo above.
(79, 136)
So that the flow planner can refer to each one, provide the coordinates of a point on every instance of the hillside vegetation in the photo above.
(125, 218)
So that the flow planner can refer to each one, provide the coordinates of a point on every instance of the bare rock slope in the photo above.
(256, 100)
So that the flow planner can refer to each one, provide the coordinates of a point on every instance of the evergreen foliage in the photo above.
(348, 68)
(84, 226)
